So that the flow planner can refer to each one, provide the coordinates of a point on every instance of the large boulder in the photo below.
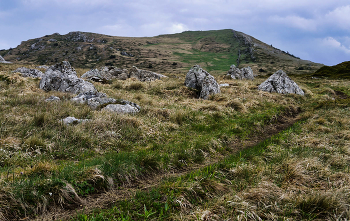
(143, 75)
(27, 72)
(201, 80)
(105, 74)
(244, 73)
(62, 77)
(209, 86)
(279, 82)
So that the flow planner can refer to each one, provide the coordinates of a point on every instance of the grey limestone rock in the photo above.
(143, 75)
(62, 77)
(121, 109)
(72, 120)
(96, 100)
(201, 80)
(105, 74)
(279, 82)
(244, 73)
(27, 72)
(52, 98)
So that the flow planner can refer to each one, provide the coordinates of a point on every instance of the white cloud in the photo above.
(296, 22)
(339, 17)
(332, 43)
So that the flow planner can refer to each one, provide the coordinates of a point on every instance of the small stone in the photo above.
(52, 98)
(72, 120)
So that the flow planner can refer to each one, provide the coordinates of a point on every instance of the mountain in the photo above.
(213, 50)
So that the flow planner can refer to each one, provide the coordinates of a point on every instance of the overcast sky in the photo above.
(316, 30)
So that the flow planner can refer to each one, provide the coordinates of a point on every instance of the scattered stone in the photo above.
(62, 77)
(224, 85)
(2, 60)
(72, 120)
(52, 98)
(106, 74)
(244, 73)
(121, 109)
(201, 80)
(27, 72)
(279, 82)
(143, 75)
(126, 54)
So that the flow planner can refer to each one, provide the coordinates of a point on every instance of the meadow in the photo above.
(243, 154)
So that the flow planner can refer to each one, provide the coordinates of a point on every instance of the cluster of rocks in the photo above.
(2, 60)
(201, 80)
(279, 82)
(62, 77)
(106, 74)
(28, 72)
(244, 73)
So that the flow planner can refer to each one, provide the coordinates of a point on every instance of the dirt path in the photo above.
(107, 199)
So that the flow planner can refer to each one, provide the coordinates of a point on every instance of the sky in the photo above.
(315, 30)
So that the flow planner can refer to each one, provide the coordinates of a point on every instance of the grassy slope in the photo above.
(339, 71)
(300, 174)
(45, 164)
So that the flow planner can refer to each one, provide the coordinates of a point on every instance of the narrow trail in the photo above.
(107, 199)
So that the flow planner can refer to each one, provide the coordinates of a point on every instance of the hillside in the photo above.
(339, 71)
(213, 50)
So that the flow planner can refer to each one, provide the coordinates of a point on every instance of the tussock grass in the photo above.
(174, 130)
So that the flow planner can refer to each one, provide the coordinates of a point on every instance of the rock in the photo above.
(279, 82)
(96, 100)
(195, 77)
(209, 86)
(52, 98)
(2, 60)
(201, 80)
(43, 67)
(106, 74)
(121, 109)
(224, 85)
(62, 77)
(72, 120)
(143, 75)
(27, 72)
(244, 73)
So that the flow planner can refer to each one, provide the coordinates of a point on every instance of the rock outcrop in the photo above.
(201, 80)
(143, 75)
(279, 82)
(27, 72)
(62, 77)
(106, 74)
(244, 73)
